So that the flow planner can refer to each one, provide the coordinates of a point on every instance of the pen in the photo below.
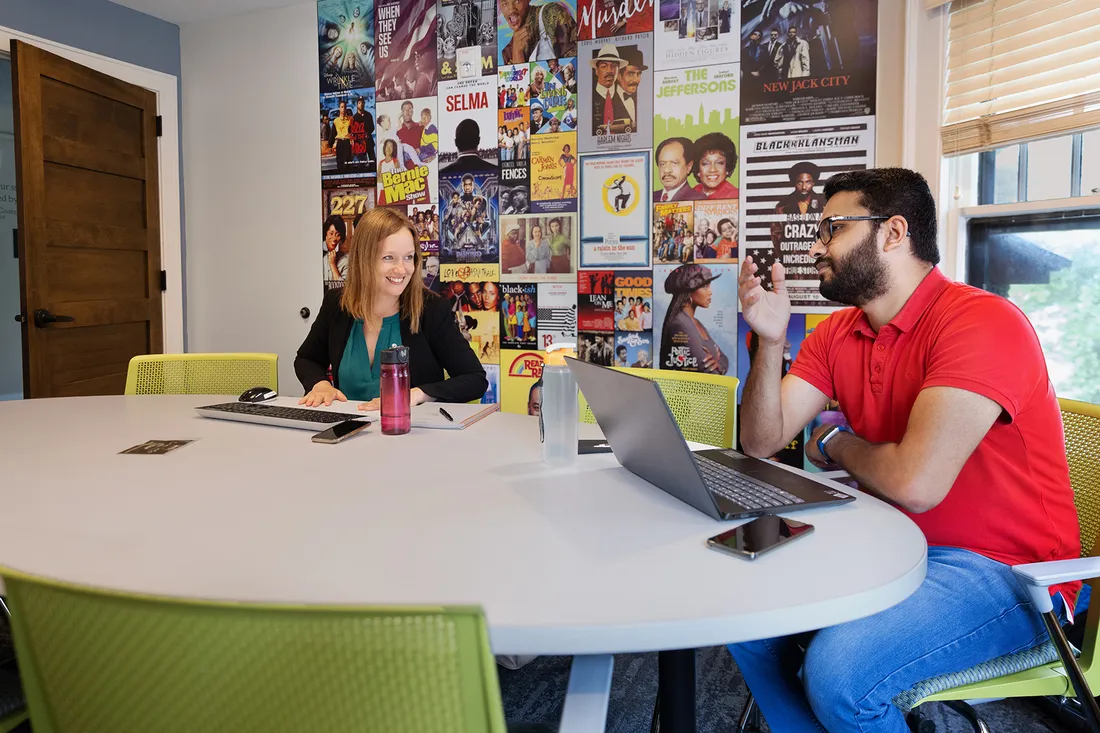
(444, 414)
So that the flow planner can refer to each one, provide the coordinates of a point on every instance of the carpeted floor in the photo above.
(535, 693)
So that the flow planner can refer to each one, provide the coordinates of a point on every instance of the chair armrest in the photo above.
(1036, 577)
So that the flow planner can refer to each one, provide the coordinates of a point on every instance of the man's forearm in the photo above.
(879, 468)
(761, 406)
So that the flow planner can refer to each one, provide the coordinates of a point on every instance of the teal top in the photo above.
(358, 377)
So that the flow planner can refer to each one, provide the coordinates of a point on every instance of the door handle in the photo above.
(43, 318)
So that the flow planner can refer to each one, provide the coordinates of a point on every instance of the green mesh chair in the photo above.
(221, 374)
(1048, 668)
(704, 405)
(102, 661)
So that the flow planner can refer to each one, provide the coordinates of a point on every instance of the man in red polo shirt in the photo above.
(953, 420)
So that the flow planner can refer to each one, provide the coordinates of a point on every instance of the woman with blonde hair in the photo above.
(383, 304)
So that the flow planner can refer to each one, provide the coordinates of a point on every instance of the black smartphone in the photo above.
(759, 536)
(585, 445)
(341, 430)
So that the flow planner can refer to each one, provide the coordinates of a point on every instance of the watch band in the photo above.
(829, 435)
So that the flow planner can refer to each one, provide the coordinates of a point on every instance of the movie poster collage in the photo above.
(574, 169)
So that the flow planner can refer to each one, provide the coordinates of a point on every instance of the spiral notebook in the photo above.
(463, 415)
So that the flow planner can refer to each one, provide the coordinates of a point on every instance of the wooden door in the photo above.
(89, 225)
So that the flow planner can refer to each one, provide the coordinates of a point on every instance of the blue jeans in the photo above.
(968, 610)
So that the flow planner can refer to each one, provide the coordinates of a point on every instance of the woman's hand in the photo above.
(416, 397)
(323, 393)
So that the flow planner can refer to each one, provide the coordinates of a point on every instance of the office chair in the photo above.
(215, 374)
(1050, 669)
(94, 660)
(704, 405)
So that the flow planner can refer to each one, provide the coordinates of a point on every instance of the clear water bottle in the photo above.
(559, 414)
(396, 408)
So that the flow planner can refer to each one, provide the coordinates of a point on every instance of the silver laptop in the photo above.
(278, 415)
(646, 440)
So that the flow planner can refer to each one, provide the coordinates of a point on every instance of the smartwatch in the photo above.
(829, 435)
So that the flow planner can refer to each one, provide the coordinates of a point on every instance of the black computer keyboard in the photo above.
(284, 413)
(727, 482)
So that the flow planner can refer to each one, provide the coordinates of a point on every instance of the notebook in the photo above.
(427, 415)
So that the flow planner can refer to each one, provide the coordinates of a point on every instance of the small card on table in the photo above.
(156, 447)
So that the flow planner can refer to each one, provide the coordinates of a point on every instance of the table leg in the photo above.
(676, 691)
(588, 694)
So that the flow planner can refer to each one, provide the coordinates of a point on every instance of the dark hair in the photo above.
(689, 149)
(721, 222)
(806, 167)
(335, 221)
(467, 177)
(467, 135)
(719, 143)
(895, 192)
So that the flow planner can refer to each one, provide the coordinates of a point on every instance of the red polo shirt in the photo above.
(1012, 501)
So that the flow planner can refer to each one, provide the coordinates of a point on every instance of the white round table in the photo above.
(589, 560)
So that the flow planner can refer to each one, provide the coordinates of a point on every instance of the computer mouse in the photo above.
(258, 394)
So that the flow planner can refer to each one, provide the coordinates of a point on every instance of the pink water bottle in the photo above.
(396, 402)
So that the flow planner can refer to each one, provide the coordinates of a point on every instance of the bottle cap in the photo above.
(555, 355)
(396, 355)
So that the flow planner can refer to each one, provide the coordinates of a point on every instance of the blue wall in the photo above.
(100, 27)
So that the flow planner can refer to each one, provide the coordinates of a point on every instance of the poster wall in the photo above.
(594, 170)
(786, 166)
(614, 211)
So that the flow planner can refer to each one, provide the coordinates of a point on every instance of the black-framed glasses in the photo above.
(825, 228)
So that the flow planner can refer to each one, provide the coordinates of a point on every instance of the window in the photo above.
(1049, 266)
(1090, 163)
(1040, 170)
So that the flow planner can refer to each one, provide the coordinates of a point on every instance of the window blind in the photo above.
(1019, 70)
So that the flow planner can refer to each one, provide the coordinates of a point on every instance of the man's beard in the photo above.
(857, 279)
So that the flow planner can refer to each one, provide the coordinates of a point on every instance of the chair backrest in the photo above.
(104, 661)
(1081, 423)
(704, 405)
(220, 374)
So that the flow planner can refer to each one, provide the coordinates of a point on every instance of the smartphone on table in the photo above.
(761, 535)
(341, 431)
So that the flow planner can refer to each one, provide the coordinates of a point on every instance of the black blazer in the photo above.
(439, 345)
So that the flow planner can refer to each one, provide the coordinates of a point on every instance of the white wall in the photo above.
(252, 182)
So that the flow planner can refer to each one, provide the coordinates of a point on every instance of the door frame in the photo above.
(166, 88)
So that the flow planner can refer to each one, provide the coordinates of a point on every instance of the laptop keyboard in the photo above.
(283, 413)
(730, 484)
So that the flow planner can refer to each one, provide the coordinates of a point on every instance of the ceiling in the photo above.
(190, 11)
